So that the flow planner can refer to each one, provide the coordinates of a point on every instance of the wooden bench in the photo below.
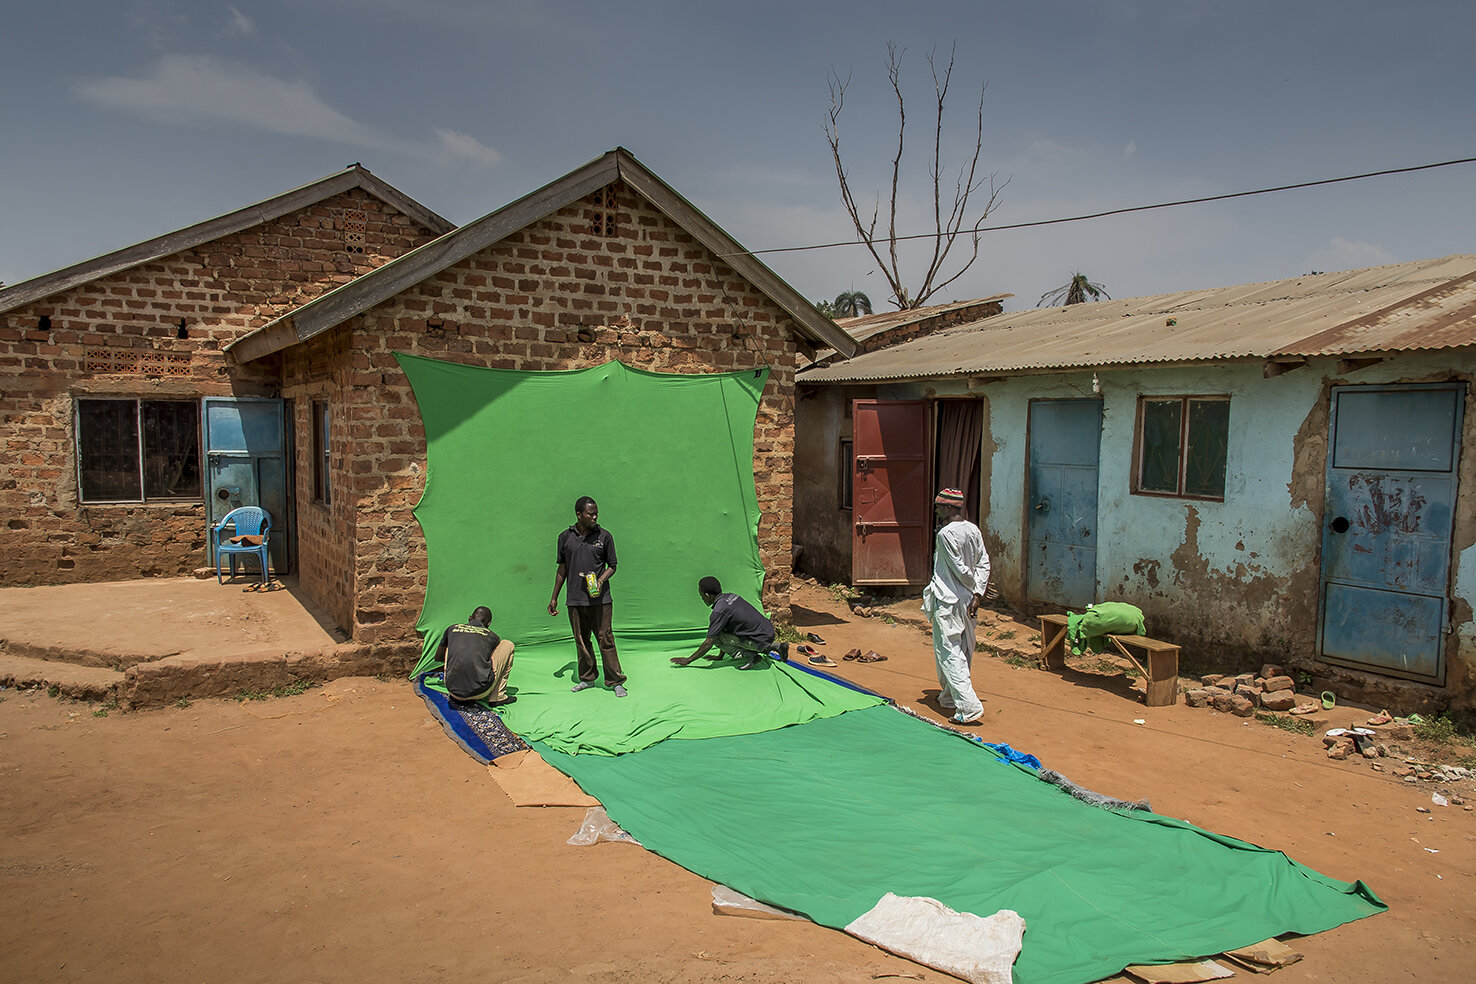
(1157, 661)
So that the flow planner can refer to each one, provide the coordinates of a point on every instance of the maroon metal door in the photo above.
(891, 507)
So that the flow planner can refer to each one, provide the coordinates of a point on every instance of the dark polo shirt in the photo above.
(581, 554)
(736, 617)
(469, 660)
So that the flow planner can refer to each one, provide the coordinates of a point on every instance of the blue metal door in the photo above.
(1386, 538)
(1065, 440)
(246, 457)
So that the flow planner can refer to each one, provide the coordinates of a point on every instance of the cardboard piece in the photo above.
(1265, 956)
(1180, 973)
(530, 781)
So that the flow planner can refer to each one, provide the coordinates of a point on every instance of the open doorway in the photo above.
(958, 437)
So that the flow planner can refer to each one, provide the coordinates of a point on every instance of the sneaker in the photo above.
(581, 685)
(960, 719)
(619, 690)
(751, 664)
(782, 653)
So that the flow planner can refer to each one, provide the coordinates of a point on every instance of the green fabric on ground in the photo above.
(827, 817)
(668, 457)
(704, 700)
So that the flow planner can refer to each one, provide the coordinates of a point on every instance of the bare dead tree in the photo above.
(957, 222)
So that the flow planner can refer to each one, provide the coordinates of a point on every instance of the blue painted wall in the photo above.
(1242, 573)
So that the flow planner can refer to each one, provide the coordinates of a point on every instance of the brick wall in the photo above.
(116, 337)
(553, 296)
(929, 324)
(325, 531)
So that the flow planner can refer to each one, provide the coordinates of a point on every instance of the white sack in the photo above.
(975, 948)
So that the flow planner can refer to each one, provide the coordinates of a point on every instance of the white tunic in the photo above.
(960, 571)
(960, 566)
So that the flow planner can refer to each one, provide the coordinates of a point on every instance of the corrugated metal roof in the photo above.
(1426, 304)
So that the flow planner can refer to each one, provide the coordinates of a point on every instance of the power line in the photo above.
(1121, 211)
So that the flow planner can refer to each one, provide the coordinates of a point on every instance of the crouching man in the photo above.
(477, 660)
(736, 628)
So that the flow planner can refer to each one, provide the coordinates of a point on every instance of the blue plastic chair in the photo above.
(248, 521)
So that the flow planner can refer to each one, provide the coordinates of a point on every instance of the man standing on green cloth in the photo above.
(736, 628)
(586, 560)
(951, 601)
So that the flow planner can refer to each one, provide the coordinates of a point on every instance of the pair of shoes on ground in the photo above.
(871, 657)
(586, 684)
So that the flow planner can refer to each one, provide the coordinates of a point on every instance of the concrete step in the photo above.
(70, 680)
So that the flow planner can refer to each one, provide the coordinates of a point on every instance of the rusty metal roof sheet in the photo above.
(1426, 304)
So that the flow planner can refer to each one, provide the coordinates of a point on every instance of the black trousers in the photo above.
(596, 620)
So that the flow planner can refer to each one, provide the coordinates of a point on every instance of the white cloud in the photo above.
(240, 23)
(465, 145)
(185, 88)
(1130, 149)
(1345, 254)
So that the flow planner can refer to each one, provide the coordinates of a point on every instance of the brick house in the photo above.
(113, 374)
(607, 262)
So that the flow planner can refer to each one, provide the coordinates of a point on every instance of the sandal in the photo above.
(1305, 709)
(871, 657)
(1383, 717)
(853, 654)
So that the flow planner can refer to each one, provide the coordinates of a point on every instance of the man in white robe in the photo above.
(951, 602)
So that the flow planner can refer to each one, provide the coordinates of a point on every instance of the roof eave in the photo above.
(405, 272)
(44, 286)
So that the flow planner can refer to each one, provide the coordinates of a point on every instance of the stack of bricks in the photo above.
(1243, 695)
(563, 293)
(117, 336)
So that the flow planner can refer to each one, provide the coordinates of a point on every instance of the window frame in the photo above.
(1185, 402)
(141, 449)
(321, 447)
(845, 486)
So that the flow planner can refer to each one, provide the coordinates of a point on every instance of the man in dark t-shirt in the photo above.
(477, 660)
(586, 561)
(735, 628)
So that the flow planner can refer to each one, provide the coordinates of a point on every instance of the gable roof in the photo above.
(354, 176)
(400, 274)
(1425, 304)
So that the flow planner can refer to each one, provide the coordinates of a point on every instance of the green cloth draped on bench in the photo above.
(1090, 629)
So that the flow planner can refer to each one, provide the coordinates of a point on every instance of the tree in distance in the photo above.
(1078, 290)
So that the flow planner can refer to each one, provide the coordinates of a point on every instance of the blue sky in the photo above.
(126, 119)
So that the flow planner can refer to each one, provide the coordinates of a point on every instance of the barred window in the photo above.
(1182, 446)
(322, 488)
(138, 450)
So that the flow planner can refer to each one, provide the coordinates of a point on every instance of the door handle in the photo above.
(1043, 506)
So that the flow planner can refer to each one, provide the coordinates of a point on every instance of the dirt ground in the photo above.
(338, 835)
